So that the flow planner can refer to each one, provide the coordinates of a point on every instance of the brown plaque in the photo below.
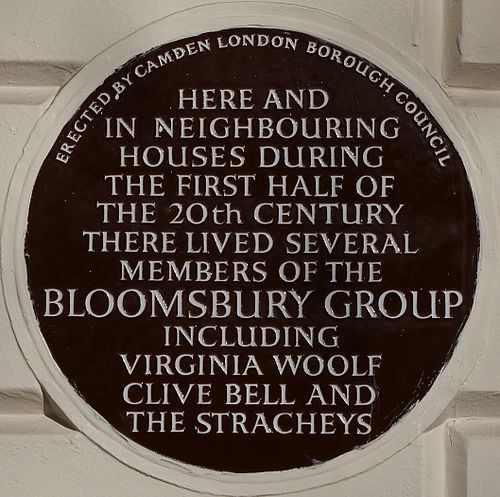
(251, 250)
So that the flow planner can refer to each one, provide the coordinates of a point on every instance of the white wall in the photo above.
(42, 44)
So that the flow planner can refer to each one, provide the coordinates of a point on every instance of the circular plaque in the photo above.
(251, 250)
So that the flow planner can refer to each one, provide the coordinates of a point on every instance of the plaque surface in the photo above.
(251, 250)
